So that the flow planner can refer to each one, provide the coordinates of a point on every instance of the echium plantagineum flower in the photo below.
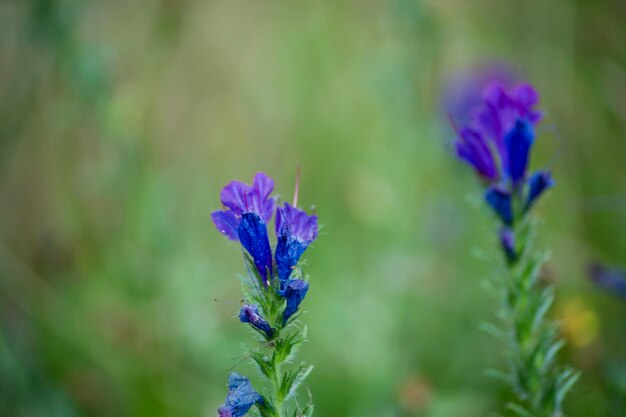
(241, 397)
(277, 291)
(497, 142)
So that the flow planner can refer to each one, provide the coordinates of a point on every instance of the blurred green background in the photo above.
(120, 121)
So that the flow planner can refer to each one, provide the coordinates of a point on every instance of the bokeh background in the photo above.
(120, 121)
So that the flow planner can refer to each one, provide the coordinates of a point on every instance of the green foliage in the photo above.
(531, 336)
(279, 349)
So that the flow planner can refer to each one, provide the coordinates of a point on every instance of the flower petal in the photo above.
(250, 314)
(241, 397)
(261, 203)
(525, 96)
(289, 249)
(500, 202)
(237, 196)
(471, 148)
(518, 144)
(226, 223)
(294, 293)
(539, 182)
(301, 224)
(507, 241)
(252, 233)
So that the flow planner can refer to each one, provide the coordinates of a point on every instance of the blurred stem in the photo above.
(540, 386)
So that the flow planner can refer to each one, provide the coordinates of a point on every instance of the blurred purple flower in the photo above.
(507, 241)
(537, 184)
(500, 132)
(463, 91)
(250, 314)
(241, 397)
(611, 280)
(472, 148)
(497, 141)
(295, 230)
(518, 142)
(500, 201)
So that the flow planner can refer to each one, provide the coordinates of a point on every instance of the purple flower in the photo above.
(537, 184)
(463, 91)
(609, 279)
(500, 201)
(501, 111)
(507, 241)
(294, 293)
(240, 198)
(473, 149)
(295, 230)
(241, 397)
(493, 141)
(518, 143)
(250, 314)
(497, 142)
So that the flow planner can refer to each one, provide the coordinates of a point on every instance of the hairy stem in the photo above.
(539, 383)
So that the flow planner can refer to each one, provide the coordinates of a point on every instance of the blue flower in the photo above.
(249, 208)
(518, 142)
(609, 279)
(253, 236)
(241, 397)
(500, 201)
(294, 292)
(537, 184)
(239, 198)
(250, 314)
(295, 230)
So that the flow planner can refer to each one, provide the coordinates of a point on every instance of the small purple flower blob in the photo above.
(611, 280)
(253, 236)
(295, 230)
(500, 201)
(539, 182)
(507, 241)
(241, 397)
(294, 293)
(250, 314)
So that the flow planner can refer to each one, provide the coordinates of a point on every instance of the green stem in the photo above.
(276, 386)
(539, 384)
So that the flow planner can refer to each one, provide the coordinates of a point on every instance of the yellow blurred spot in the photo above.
(580, 324)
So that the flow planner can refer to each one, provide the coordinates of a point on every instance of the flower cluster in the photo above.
(278, 289)
(497, 142)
